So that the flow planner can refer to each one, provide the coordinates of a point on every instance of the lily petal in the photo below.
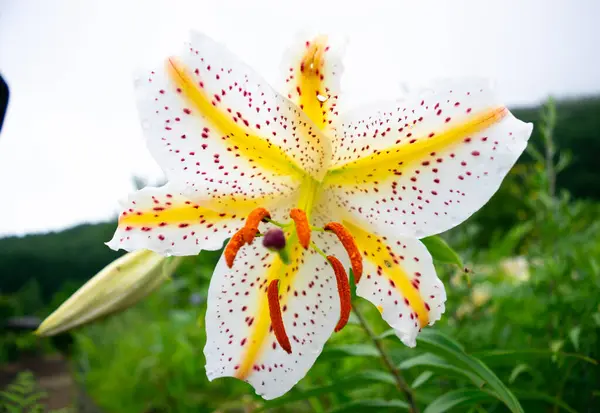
(170, 222)
(212, 123)
(423, 166)
(240, 340)
(312, 69)
(400, 280)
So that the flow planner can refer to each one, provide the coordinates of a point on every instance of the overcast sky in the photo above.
(71, 140)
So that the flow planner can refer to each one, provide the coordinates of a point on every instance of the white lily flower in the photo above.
(118, 286)
(362, 187)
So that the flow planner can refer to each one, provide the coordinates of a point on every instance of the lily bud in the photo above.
(117, 287)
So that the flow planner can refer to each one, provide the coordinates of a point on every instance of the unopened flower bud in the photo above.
(117, 287)
(274, 239)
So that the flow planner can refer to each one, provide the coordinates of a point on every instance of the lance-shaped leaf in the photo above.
(118, 286)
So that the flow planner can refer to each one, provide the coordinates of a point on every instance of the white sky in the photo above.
(71, 140)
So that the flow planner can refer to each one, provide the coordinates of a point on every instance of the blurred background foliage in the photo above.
(527, 307)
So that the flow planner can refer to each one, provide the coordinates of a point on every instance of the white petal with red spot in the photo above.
(310, 309)
(426, 192)
(397, 300)
(195, 149)
(167, 222)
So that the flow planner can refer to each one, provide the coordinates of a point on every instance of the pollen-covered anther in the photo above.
(251, 227)
(349, 244)
(235, 243)
(302, 226)
(276, 318)
(344, 291)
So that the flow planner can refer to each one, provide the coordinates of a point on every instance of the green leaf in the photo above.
(596, 317)
(360, 379)
(353, 319)
(498, 356)
(387, 333)
(533, 395)
(360, 405)
(516, 372)
(508, 244)
(445, 347)
(438, 364)
(456, 398)
(361, 350)
(574, 336)
(442, 338)
(12, 397)
(421, 379)
(441, 251)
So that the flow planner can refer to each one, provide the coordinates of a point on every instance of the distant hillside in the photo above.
(74, 255)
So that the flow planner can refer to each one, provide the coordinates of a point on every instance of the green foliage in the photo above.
(441, 251)
(532, 301)
(24, 396)
(576, 131)
(27, 301)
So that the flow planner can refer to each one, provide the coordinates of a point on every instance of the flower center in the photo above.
(298, 231)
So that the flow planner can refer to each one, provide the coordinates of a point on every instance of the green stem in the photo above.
(386, 359)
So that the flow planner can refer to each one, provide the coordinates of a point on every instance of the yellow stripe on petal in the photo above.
(168, 222)
(162, 216)
(375, 250)
(229, 124)
(171, 210)
(261, 328)
(388, 162)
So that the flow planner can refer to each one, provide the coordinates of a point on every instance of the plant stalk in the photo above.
(400, 382)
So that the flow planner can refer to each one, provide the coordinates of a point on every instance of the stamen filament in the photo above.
(276, 223)
(302, 226)
(319, 250)
(251, 227)
(343, 290)
(349, 244)
(235, 243)
(276, 318)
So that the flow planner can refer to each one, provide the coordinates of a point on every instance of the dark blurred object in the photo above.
(3, 100)
(28, 324)
(18, 324)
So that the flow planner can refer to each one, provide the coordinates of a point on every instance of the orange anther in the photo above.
(343, 290)
(276, 318)
(349, 244)
(251, 227)
(235, 243)
(302, 226)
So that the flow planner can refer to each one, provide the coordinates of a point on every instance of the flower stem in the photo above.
(400, 382)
